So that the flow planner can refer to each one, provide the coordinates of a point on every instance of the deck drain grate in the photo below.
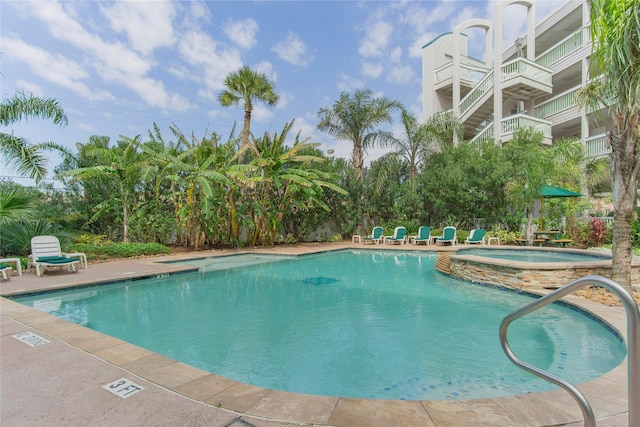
(31, 339)
(317, 281)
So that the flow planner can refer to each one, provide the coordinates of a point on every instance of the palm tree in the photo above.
(615, 28)
(414, 146)
(121, 165)
(422, 140)
(246, 86)
(442, 130)
(26, 157)
(356, 118)
(16, 205)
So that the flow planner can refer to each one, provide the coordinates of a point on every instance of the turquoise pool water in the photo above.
(526, 255)
(369, 324)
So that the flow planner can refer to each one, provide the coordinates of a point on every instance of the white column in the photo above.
(497, 73)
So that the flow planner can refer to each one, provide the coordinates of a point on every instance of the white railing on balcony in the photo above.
(484, 86)
(558, 103)
(511, 123)
(524, 67)
(597, 145)
(468, 73)
(443, 73)
(561, 49)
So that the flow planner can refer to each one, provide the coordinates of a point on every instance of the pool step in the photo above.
(443, 263)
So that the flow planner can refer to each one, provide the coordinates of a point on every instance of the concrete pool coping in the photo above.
(61, 382)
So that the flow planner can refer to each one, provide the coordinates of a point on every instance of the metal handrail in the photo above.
(633, 345)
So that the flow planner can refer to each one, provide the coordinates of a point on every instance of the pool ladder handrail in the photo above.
(633, 345)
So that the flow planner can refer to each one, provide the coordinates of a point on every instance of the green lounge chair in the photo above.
(399, 236)
(448, 236)
(424, 235)
(476, 236)
(376, 236)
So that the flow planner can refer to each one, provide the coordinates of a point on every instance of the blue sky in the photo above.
(116, 67)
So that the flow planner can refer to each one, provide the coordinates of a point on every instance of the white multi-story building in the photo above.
(529, 83)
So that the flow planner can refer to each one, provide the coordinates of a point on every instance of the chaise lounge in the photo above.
(46, 252)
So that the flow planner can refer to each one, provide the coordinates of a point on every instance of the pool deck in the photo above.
(60, 383)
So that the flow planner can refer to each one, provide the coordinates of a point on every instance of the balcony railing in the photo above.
(597, 145)
(558, 103)
(511, 123)
(570, 44)
(524, 67)
(468, 73)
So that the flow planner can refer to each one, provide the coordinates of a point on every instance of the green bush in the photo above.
(506, 237)
(120, 250)
(635, 231)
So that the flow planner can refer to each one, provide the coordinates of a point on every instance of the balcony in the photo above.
(511, 123)
(558, 104)
(524, 79)
(564, 48)
(597, 145)
(470, 75)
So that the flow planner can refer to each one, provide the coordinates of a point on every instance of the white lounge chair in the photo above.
(448, 236)
(424, 235)
(476, 236)
(46, 252)
(399, 236)
(375, 237)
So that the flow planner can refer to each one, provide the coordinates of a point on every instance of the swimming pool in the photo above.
(319, 325)
(532, 255)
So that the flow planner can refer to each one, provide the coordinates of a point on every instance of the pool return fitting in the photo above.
(633, 345)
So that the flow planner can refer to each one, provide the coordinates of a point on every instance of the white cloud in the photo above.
(29, 87)
(401, 74)
(395, 54)
(215, 62)
(242, 33)
(422, 19)
(348, 83)
(198, 10)
(376, 39)
(53, 68)
(266, 67)
(113, 61)
(370, 69)
(415, 50)
(292, 50)
(284, 100)
(261, 113)
(147, 24)
(305, 128)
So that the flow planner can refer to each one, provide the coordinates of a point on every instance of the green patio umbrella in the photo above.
(551, 192)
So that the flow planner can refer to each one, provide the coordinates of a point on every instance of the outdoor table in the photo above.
(547, 234)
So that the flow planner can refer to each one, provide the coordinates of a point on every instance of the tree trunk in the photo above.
(246, 126)
(528, 232)
(357, 157)
(624, 163)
